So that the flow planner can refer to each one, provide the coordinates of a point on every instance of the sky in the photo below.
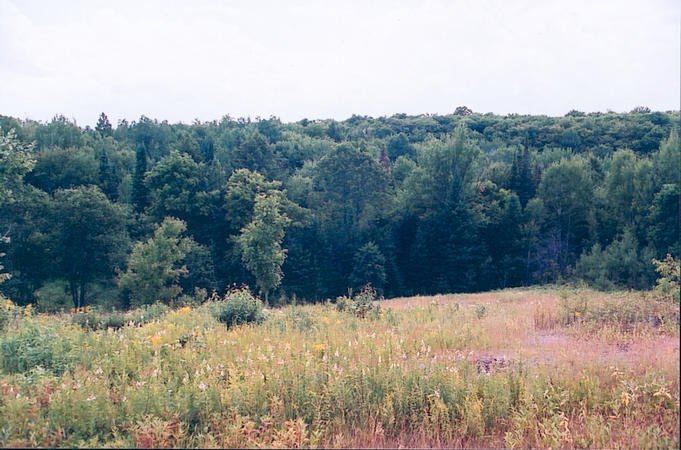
(294, 59)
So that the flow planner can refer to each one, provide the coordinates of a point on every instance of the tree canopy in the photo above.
(411, 204)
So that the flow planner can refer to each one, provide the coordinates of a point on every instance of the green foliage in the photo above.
(669, 271)
(153, 266)
(368, 268)
(139, 196)
(456, 202)
(668, 159)
(35, 344)
(620, 264)
(260, 243)
(54, 296)
(664, 220)
(98, 319)
(237, 307)
(103, 125)
(15, 161)
(178, 190)
(89, 237)
(312, 376)
(241, 190)
(63, 168)
(363, 304)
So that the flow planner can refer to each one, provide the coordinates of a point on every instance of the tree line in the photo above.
(150, 211)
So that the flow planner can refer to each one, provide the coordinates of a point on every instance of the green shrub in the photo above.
(480, 311)
(54, 296)
(238, 306)
(9, 312)
(148, 313)
(34, 345)
(669, 271)
(90, 318)
(362, 304)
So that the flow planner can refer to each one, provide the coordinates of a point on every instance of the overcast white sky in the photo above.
(181, 60)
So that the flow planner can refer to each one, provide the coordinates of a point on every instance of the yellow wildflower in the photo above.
(318, 347)
(326, 320)
(577, 313)
(9, 304)
(155, 340)
(27, 310)
(185, 309)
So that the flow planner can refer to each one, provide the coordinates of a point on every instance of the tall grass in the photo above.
(316, 376)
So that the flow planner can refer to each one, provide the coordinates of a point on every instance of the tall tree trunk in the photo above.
(266, 299)
(82, 293)
(74, 293)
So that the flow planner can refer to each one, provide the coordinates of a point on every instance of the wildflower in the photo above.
(185, 310)
(27, 311)
(318, 347)
(91, 398)
(578, 314)
(202, 386)
(625, 398)
(662, 392)
(99, 371)
(155, 340)
(326, 320)
(8, 304)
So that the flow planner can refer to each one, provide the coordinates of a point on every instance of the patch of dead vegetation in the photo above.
(526, 325)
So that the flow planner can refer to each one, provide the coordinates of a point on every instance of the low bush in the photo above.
(362, 305)
(670, 273)
(35, 344)
(9, 312)
(95, 319)
(238, 306)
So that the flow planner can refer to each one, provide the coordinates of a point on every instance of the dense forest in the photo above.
(150, 211)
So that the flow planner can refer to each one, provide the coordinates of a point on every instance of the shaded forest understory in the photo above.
(150, 211)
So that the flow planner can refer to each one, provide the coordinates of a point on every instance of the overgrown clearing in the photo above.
(513, 368)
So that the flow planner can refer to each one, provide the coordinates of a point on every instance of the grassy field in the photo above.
(514, 368)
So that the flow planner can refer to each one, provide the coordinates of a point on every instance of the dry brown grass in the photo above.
(530, 325)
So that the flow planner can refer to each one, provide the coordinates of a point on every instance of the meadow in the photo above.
(543, 367)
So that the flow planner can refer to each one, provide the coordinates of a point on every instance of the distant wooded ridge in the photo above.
(151, 211)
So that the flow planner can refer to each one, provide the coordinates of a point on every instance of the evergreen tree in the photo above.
(106, 178)
(140, 193)
(104, 126)
(368, 267)
(522, 178)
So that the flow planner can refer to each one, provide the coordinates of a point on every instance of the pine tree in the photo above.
(140, 193)
(106, 178)
(368, 267)
(522, 179)
(104, 126)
